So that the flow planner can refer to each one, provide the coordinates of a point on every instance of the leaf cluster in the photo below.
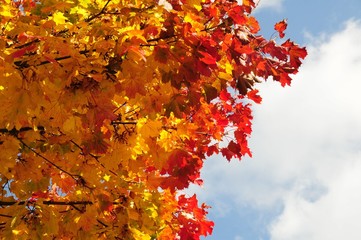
(110, 108)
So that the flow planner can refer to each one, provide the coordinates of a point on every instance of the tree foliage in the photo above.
(110, 107)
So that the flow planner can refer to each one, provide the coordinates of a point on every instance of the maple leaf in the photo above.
(253, 95)
(236, 14)
(295, 52)
(280, 27)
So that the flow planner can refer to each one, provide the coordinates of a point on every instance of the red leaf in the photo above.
(207, 58)
(19, 53)
(212, 149)
(280, 27)
(295, 52)
(183, 169)
(237, 15)
(285, 79)
(40, 194)
(228, 154)
(234, 147)
(224, 95)
(254, 96)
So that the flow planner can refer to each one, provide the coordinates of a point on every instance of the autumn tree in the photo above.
(110, 107)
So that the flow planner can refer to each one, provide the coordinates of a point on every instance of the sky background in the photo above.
(304, 180)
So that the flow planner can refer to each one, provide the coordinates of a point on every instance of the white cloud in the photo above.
(307, 149)
(334, 216)
(329, 138)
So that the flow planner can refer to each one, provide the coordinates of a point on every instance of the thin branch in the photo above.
(50, 202)
(14, 131)
(67, 203)
(153, 45)
(99, 13)
(123, 123)
(93, 156)
(120, 107)
(27, 44)
(160, 38)
(76, 208)
(24, 64)
(48, 161)
(102, 223)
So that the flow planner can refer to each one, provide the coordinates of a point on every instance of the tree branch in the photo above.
(24, 64)
(99, 13)
(49, 202)
(76, 178)
(123, 123)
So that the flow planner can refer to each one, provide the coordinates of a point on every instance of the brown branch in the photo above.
(67, 203)
(24, 64)
(123, 123)
(120, 107)
(50, 202)
(15, 132)
(105, 225)
(153, 45)
(161, 38)
(99, 13)
(27, 44)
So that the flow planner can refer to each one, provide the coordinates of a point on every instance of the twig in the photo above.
(47, 160)
(99, 13)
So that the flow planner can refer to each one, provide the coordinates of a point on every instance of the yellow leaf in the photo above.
(79, 10)
(84, 3)
(149, 128)
(59, 18)
(139, 235)
(5, 9)
(140, 148)
(152, 211)
(106, 177)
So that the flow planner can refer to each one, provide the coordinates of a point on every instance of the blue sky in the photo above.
(304, 181)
